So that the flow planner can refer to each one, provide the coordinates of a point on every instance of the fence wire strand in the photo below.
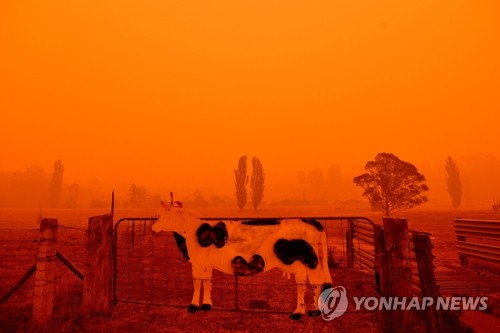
(19, 250)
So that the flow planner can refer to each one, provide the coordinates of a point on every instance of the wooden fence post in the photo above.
(423, 253)
(349, 235)
(45, 272)
(97, 284)
(382, 277)
(397, 246)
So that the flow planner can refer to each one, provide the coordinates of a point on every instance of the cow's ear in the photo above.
(164, 204)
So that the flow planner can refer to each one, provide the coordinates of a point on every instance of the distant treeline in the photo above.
(28, 188)
(35, 188)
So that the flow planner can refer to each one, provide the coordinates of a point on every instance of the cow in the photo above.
(249, 247)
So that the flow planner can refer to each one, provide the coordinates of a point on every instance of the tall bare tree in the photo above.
(257, 182)
(56, 184)
(241, 182)
(453, 182)
(391, 184)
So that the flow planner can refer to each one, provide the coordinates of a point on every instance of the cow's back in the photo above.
(247, 240)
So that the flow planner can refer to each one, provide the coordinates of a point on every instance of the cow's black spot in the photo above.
(314, 223)
(181, 245)
(242, 267)
(208, 235)
(257, 263)
(219, 235)
(296, 249)
(204, 235)
(262, 222)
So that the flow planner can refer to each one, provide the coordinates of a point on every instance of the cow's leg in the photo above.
(195, 301)
(202, 275)
(207, 295)
(318, 283)
(301, 279)
(315, 312)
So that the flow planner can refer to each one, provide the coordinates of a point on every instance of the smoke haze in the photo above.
(168, 95)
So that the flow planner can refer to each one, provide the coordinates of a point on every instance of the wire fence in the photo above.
(149, 268)
(19, 249)
(71, 251)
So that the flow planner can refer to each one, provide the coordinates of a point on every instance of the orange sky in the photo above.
(171, 93)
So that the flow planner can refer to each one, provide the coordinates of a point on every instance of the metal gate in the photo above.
(148, 268)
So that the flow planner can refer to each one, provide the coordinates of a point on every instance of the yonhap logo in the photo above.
(333, 302)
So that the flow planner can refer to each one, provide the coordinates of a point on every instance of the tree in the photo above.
(316, 187)
(15, 185)
(72, 197)
(391, 184)
(56, 184)
(301, 178)
(139, 196)
(241, 182)
(198, 200)
(217, 201)
(257, 182)
(453, 182)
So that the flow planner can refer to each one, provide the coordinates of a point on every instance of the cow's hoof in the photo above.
(326, 286)
(206, 307)
(314, 313)
(295, 316)
(193, 308)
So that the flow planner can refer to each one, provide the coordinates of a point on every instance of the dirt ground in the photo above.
(144, 318)
(14, 314)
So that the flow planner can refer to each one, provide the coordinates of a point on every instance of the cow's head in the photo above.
(172, 218)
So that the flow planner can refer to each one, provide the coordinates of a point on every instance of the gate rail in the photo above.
(115, 244)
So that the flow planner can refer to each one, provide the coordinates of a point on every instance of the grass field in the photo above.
(18, 250)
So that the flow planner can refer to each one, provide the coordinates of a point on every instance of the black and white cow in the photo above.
(249, 247)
